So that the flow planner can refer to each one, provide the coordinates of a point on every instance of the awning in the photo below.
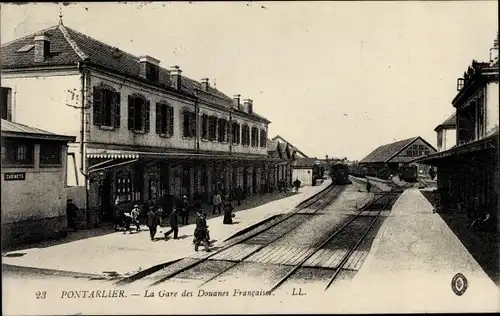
(489, 142)
(124, 154)
(113, 156)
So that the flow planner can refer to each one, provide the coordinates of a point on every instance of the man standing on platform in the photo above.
(174, 223)
(185, 210)
(217, 200)
(152, 222)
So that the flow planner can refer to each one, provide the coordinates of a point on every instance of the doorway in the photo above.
(105, 197)
(245, 180)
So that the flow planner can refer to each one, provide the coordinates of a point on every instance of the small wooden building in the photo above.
(307, 170)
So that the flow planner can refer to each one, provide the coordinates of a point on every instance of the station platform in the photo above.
(126, 254)
(382, 185)
(412, 262)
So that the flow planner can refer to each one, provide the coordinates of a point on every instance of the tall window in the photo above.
(164, 119)
(106, 103)
(125, 186)
(185, 178)
(418, 150)
(245, 135)
(236, 133)
(138, 113)
(222, 130)
(212, 127)
(263, 138)
(5, 102)
(17, 154)
(204, 126)
(188, 124)
(50, 154)
(255, 137)
(440, 139)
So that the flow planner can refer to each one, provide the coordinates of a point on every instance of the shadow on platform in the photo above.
(482, 245)
(106, 228)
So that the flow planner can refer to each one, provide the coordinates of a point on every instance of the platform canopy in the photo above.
(487, 143)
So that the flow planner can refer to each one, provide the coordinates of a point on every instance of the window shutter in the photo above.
(146, 115)
(182, 123)
(131, 112)
(193, 124)
(116, 108)
(219, 130)
(204, 126)
(159, 118)
(227, 132)
(97, 104)
(170, 120)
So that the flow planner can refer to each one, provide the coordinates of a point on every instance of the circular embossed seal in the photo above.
(459, 284)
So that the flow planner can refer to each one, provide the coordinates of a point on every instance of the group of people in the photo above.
(225, 206)
(179, 214)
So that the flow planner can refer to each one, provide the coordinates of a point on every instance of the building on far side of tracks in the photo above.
(307, 170)
(33, 183)
(145, 134)
(447, 133)
(388, 159)
(468, 174)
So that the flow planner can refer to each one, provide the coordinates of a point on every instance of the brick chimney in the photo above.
(175, 77)
(236, 101)
(149, 68)
(42, 47)
(248, 105)
(205, 84)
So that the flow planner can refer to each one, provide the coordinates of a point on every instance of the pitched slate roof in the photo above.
(305, 162)
(385, 152)
(272, 148)
(292, 147)
(68, 47)
(450, 122)
(13, 129)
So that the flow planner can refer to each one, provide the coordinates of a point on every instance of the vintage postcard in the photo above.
(250, 157)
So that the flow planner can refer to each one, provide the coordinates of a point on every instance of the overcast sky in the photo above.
(336, 78)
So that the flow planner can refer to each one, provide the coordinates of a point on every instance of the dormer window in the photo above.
(152, 72)
(149, 68)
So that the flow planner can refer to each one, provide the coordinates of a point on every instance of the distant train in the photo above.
(408, 173)
(340, 174)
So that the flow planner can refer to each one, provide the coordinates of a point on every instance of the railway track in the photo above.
(352, 234)
(259, 238)
(334, 253)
